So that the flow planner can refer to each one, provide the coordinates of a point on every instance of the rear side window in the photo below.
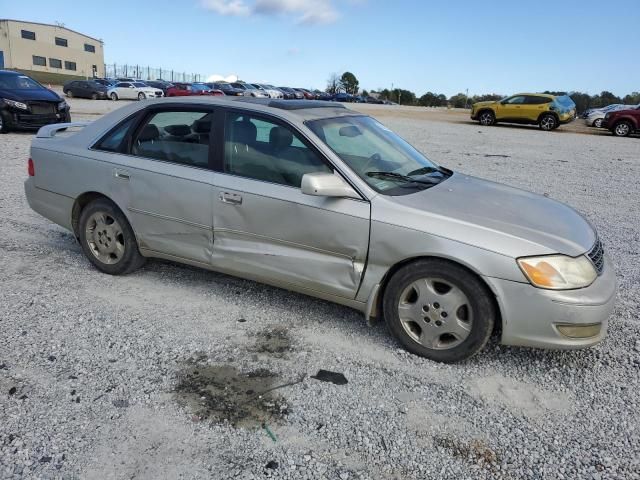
(175, 136)
(113, 140)
(536, 100)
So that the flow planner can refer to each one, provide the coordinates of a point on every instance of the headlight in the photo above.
(12, 103)
(558, 272)
(62, 105)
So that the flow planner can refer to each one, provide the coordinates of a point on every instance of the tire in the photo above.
(548, 122)
(623, 128)
(114, 96)
(141, 96)
(432, 324)
(94, 96)
(598, 123)
(4, 126)
(487, 118)
(69, 93)
(101, 221)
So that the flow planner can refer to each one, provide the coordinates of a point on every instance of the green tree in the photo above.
(350, 83)
(458, 101)
(632, 99)
(430, 99)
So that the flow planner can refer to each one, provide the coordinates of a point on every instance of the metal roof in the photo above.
(51, 25)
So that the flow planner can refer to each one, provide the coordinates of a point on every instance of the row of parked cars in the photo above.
(551, 111)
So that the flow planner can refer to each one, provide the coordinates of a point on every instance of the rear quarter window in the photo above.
(112, 141)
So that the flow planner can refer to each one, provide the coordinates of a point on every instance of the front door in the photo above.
(511, 109)
(266, 228)
(166, 183)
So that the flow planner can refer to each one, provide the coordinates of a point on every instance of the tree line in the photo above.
(347, 82)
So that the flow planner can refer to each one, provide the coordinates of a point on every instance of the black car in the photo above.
(85, 89)
(161, 84)
(226, 88)
(104, 82)
(291, 94)
(25, 104)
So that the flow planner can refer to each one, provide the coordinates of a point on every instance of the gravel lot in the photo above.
(156, 374)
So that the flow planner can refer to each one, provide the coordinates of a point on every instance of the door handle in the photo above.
(121, 174)
(230, 198)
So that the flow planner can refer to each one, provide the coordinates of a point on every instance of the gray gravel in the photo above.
(93, 368)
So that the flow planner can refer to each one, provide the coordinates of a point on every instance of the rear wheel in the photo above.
(598, 123)
(94, 96)
(487, 118)
(69, 93)
(114, 96)
(548, 122)
(622, 129)
(107, 239)
(439, 310)
(141, 96)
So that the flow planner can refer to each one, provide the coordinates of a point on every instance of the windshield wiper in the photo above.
(397, 176)
(424, 171)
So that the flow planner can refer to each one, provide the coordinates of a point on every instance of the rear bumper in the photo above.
(531, 316)
(52, 206)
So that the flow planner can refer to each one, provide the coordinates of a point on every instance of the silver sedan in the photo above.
(319, 199)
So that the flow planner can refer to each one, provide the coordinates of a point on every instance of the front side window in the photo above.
(62, 42)
(89, 48)
(263, 150)
(27, 34)
(517, 100)
(123, 85)
(40, 61)
(55, 63)
(377, 155)
(175, 136)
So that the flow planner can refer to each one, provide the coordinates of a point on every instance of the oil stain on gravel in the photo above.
(274, 341)
(221, 393)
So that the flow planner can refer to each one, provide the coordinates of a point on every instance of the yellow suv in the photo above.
(547, 111)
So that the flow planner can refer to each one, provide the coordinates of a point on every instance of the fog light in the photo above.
(580, 331)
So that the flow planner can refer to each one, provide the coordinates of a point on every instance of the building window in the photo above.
(55, 63)
(69, 65)
(89, 48)
(62, 42)
(41, 61)
(28, 35)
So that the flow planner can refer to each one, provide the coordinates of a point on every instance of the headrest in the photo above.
(178, 130)
(201, 126)
(280, 137)
(244, 132)
(149, 132)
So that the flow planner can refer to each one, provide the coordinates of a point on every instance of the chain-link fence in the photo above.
(115, 70)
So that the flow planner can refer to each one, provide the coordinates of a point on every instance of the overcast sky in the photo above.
(440, 46)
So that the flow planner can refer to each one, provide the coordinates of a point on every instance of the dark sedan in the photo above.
(25, 104)
(226, 88)
(85, 89)
(161, 84)
(291, 94)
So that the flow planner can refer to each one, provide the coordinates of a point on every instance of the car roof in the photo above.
(11, 72)
(545, 95)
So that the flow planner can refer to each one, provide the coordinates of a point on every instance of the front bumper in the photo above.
(531, 315)
(24, 120)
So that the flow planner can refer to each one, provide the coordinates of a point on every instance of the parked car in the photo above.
(25, 104)
(323, 95)
(105, 82)
(306, 93)
(595, 117)
(442, 257)
(250, 90)
(179, 89)
(198, 88)
(291, 94)
(226, 88)
(373, 100)
(623, 123)
(546, 111)
(133, 91)
(270, 90)
(161, 84)
(85, 89)
(343, 97)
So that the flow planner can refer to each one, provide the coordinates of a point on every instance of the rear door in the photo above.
(266, 228)
(534, 106)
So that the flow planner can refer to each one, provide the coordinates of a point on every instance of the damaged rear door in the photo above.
(170, 182)
(266, 228)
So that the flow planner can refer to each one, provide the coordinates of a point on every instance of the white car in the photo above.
(133, 91)
(270, 90)
(595, 117)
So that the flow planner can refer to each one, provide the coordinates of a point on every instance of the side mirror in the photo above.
(323, 184)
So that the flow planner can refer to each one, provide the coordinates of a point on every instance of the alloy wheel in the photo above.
(141, 96)
(486, 119)
(548, 123)
(598, 123)
(435, 313)
(114, 97)
(622, 129)
(105, 238)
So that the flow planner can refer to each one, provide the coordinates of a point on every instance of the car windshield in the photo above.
(380, 157)
(18, 82)
(139, 84)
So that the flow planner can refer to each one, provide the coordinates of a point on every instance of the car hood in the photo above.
(496, 217)
(40, 94)
(484, 104)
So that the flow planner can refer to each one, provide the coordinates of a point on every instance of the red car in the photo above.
(179, 90)
(623, 123)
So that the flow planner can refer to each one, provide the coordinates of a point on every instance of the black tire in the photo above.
(487, 118)
(94, 96)
(141, 96)
(69, 93)
(480, 302)
(4, 125)
(548, 122)
(114, 96)
(598, 123)
(131, 258)
(623, 128)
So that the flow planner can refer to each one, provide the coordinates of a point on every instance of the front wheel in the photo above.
(141, 96)
(108, 240)
(548, 122)
(114, 96)
(487, 118)
(598, 123)
(94, 96)
(622, 129)
(69, 93)
(4, 128)
(439, 310)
